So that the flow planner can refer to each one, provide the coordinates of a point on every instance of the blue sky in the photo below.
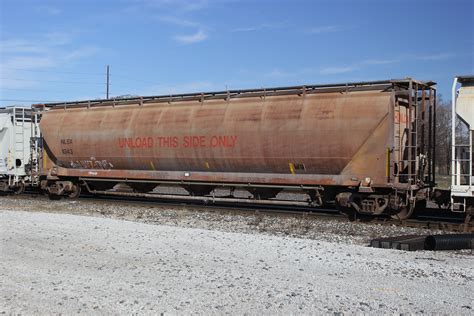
(58, 50)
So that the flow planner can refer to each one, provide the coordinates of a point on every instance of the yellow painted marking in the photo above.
(45, 158)
(152, 165)
(292, 168)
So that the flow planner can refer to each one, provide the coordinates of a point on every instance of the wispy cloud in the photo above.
(290, 26)
(178, 22)
(356, 67)
(277, 73)
(49, 10)
(184, 87)
(297, 73)
(439, 56)
(28, 62)
(200, 31)
(325, 29)
(175, 5)
(41, 44)
(81, 52)
(21, 56)
(338, 70)
(380, 61)
(259, 27)
(190, 5)
(197, 37)
(19, 46)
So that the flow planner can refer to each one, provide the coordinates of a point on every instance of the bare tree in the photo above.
(443, 137)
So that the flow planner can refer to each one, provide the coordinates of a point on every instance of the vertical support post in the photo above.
(434, 137)
(453, 132)
(470, 156)
(108, 81)
(415, 132)
(409, 135)
(387, 165)
(431, 130)
(391, 138)
(23, 136)
(423, 119)
(14, 142)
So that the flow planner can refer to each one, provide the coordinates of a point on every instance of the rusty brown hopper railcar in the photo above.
(368, 146)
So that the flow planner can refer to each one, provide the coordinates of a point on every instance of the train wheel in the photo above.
(404, 212)
(349, 212)
(19, 189)
(76, 192)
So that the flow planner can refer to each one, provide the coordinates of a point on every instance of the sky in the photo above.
(58, 50)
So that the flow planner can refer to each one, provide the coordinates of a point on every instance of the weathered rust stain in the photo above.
(250, 139)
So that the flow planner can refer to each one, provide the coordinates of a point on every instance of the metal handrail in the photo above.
(229, 94)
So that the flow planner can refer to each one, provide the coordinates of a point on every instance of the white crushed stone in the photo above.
(328, 229)
(61, 263)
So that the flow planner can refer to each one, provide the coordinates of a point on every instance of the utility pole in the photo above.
(108, 81)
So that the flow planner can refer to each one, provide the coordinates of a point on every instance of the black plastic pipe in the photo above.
(449, 242)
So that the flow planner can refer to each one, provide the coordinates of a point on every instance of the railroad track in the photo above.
(429, 219)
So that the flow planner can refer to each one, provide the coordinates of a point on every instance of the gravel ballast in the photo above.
(62, 263)
(192, 216)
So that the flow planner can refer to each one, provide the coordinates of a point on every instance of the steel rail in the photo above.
(451, 223)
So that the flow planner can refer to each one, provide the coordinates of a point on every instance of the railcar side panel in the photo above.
(327, 138)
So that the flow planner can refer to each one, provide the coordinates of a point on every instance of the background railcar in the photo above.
(462, 179)
(16, 160)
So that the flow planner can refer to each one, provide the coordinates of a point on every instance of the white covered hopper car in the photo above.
(16, 131)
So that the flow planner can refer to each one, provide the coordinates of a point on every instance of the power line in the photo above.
(40, 90)
(133, 79)
(67, 82)
(60, 81)
(54, 72)
(17, 100)
(79, 73)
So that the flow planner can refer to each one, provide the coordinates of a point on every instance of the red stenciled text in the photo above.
(194, 141)
(137, 142)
